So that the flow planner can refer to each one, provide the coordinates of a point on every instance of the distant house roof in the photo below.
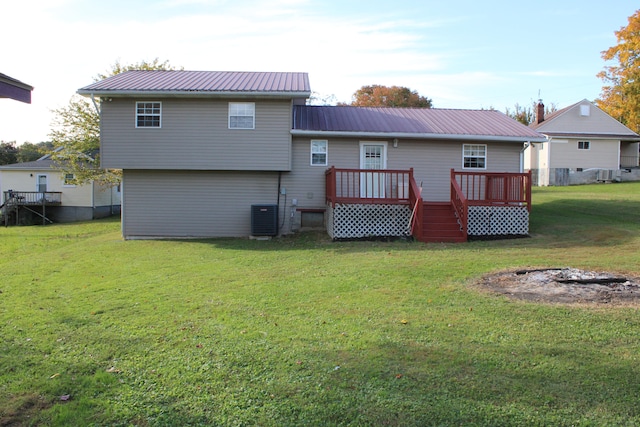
(597, 124)
(14, 89)
(40, 164)
(201, 83)
(423, 123)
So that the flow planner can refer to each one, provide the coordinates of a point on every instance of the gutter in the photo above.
(431, 136)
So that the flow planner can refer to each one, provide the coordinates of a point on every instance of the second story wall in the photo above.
(194, 134)
(572, 153)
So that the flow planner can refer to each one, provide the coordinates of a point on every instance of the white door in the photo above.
(41, 184)
(373, 155)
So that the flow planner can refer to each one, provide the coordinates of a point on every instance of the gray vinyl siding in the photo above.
(432, 162)
(178, 204)
(194, 135)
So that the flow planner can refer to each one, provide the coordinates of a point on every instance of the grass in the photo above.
(300, 331)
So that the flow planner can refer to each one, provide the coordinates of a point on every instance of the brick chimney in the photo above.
(540, 112)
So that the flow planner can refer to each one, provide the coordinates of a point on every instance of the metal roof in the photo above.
(14, 89)
(201, 82)
(411, 123)
(607, 129)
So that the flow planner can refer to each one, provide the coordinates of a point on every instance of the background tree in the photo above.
(29, 152)
(76, 129)
(8, 153)
(527, 115)
(388, 96)
(320, 99)
(620, 96)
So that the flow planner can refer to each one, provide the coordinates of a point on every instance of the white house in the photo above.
(585, 145)
(37, 191)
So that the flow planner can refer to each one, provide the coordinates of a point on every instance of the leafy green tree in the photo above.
(76, 131)
(524, 115)
(29, 152)
(620, 96)
(8, 153)
(527, 115)
(389, 96)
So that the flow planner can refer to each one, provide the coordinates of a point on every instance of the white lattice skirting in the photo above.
(363, 220)
(498, 221)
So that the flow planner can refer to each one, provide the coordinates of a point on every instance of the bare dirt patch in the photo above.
(564, 286)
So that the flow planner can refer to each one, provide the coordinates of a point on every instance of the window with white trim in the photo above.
(69, 180)
(148, 114)
(318, 152)
(242, 115)
(584, 145)
(474, 156)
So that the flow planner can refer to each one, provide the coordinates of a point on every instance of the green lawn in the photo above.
(302, 331)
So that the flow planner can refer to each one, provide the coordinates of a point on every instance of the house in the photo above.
(14, 89)
(585, 145)
(216, 154)
(38, 192)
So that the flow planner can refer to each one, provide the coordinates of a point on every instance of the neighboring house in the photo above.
(14, 89)
(214, 154)
(585, 145)
(38, 192)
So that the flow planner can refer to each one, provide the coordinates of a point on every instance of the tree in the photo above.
(29, 152)
(77, 132)
(388, 96)
(527, 115)
(8, 153)
(620, 96)
(320, 99)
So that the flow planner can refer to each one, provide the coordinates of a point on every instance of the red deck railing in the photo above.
(488, 189)
(493, 189)
(400, 187)
(368, 185)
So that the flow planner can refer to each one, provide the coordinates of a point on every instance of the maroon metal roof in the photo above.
(201, 81)
(14, 89)
(406, 121)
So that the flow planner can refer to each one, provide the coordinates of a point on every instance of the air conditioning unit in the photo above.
(264, 220)
(605, 175)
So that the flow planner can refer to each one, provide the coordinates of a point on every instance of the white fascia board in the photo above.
(296, 132)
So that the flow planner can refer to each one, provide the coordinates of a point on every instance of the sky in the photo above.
(466, 54)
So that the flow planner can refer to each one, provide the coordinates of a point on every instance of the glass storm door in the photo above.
(41, 184)
(372, 156)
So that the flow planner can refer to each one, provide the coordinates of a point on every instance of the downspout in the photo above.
(278, 202)
(95, 104)
(524, 147)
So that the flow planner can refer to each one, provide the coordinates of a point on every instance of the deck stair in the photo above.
(440, 224)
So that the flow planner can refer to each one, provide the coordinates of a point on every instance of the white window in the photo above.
(242, 115)
(318, 153)
(69, 179)
(474, 156)
(148, 114)
(584, 145)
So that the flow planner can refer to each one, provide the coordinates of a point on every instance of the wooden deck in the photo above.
(398, 187)
(32, 198)
(32, 201)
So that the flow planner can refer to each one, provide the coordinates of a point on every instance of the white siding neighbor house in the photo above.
(38, 192)
(585, 145)
(217, 154)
